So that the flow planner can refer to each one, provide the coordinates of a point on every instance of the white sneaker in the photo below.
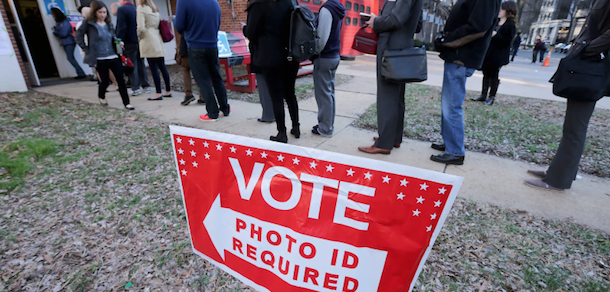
(136, 92)
(147, 89)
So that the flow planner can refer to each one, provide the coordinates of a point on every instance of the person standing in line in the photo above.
(198, 21)
(538, 49)
(100, 50)
(84, 12)
(516, 44)
(182, 58)
(498, 52)
(396, 27)
(63, 30)
(268, 29)
(264, 97)
(564, 166)
(325, 64)
(462, 45)
(151, 45)
(126, 29)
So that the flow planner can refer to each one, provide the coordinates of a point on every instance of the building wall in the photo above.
(12, 71)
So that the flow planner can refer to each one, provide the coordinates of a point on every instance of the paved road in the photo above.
(520, 78)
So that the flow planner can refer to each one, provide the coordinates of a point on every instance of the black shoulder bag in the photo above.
(581, 79)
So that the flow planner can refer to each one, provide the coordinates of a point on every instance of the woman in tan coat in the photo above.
(151, 45)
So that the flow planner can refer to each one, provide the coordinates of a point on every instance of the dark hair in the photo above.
(58, 15)
(95, 6)
(80, 9)
(511, 10)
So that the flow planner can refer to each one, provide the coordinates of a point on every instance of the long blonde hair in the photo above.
(150, 4)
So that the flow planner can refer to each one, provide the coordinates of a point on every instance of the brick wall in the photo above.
(227, 22)
(14, 42)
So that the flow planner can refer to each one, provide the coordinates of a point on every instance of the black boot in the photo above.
(492, 93)
(483, 96)
(296, 131)
(280, 137)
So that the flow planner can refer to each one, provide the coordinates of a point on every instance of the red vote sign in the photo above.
(287, 218)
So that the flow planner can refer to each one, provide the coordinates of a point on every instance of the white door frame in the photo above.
(32, 73)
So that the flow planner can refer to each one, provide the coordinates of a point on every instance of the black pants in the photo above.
(103, 68)
(157, 64)
(280, 82)
(206, 71)
(491, 77)
(564, 166)
(131, 52)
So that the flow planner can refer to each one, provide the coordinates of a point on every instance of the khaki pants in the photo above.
(186, 76)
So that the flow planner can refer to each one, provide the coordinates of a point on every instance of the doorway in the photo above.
(36, 40)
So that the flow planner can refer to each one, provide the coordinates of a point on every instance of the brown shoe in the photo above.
(374, 150)
(396, 145)
(538, 183)
(537, 173)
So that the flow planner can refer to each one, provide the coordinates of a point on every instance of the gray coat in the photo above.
(397, 24)
(88, 28)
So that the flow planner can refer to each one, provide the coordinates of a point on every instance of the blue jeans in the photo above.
(157, 64)
(206, 71)
(452, 99)
(70, 55)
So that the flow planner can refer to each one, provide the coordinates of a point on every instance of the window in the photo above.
(355, 21)
(348, 5)
(316, 1)
(362, 8)
(356, 7)
(348, 21)
(368, 10)
(306, 1)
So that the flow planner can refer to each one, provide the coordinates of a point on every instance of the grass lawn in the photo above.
(515, 127)
(89, 202)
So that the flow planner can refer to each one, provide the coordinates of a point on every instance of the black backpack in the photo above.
(303, 35)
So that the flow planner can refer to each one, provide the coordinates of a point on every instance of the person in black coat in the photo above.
(499, 51)
(267, 29)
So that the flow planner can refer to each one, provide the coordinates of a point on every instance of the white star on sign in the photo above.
(183, 172)
(429, 228)
(368, 175)
(207, 156)
(218, 147)
(295, 161)
(263, 155)
(437, 203)
(180, 151)
(249, 152)
(442, 191)
(329, 168)
(386, 179)
(191, 142)
(312, 165)
(416, 212)
(193, 153)
(178, 139)
(182, 162)
(403, 182)
(400, 196)
(350, 172)
(420, 200)
(423, 186)
(195, 164)
(280, 157)
(433, 216)
(232, 149)
(206, 144)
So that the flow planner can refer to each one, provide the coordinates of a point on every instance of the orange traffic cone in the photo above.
(547, 60)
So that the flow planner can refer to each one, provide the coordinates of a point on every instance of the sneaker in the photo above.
(200, 101)
(205, 118)
(136, 92)
(147, 89)
(187, 100)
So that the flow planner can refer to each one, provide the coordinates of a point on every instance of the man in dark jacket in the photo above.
(396, 26)
(515, 45)
(463, 45)
(198, 21)
(126, 30)
(329, 23)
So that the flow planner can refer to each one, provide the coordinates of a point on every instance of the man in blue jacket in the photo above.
(198, 21)
(126, 30)
(467, 35)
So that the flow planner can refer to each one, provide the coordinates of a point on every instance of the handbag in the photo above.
(405, 66)
(167, 35)
(365, 41)
(581, 79)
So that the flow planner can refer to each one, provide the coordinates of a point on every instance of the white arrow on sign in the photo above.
(280, 250)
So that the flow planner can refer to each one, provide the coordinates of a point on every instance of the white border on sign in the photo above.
(357, 161)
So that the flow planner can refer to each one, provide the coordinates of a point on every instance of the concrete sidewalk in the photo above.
(488, 179)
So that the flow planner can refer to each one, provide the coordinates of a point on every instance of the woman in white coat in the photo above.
(151, 45)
